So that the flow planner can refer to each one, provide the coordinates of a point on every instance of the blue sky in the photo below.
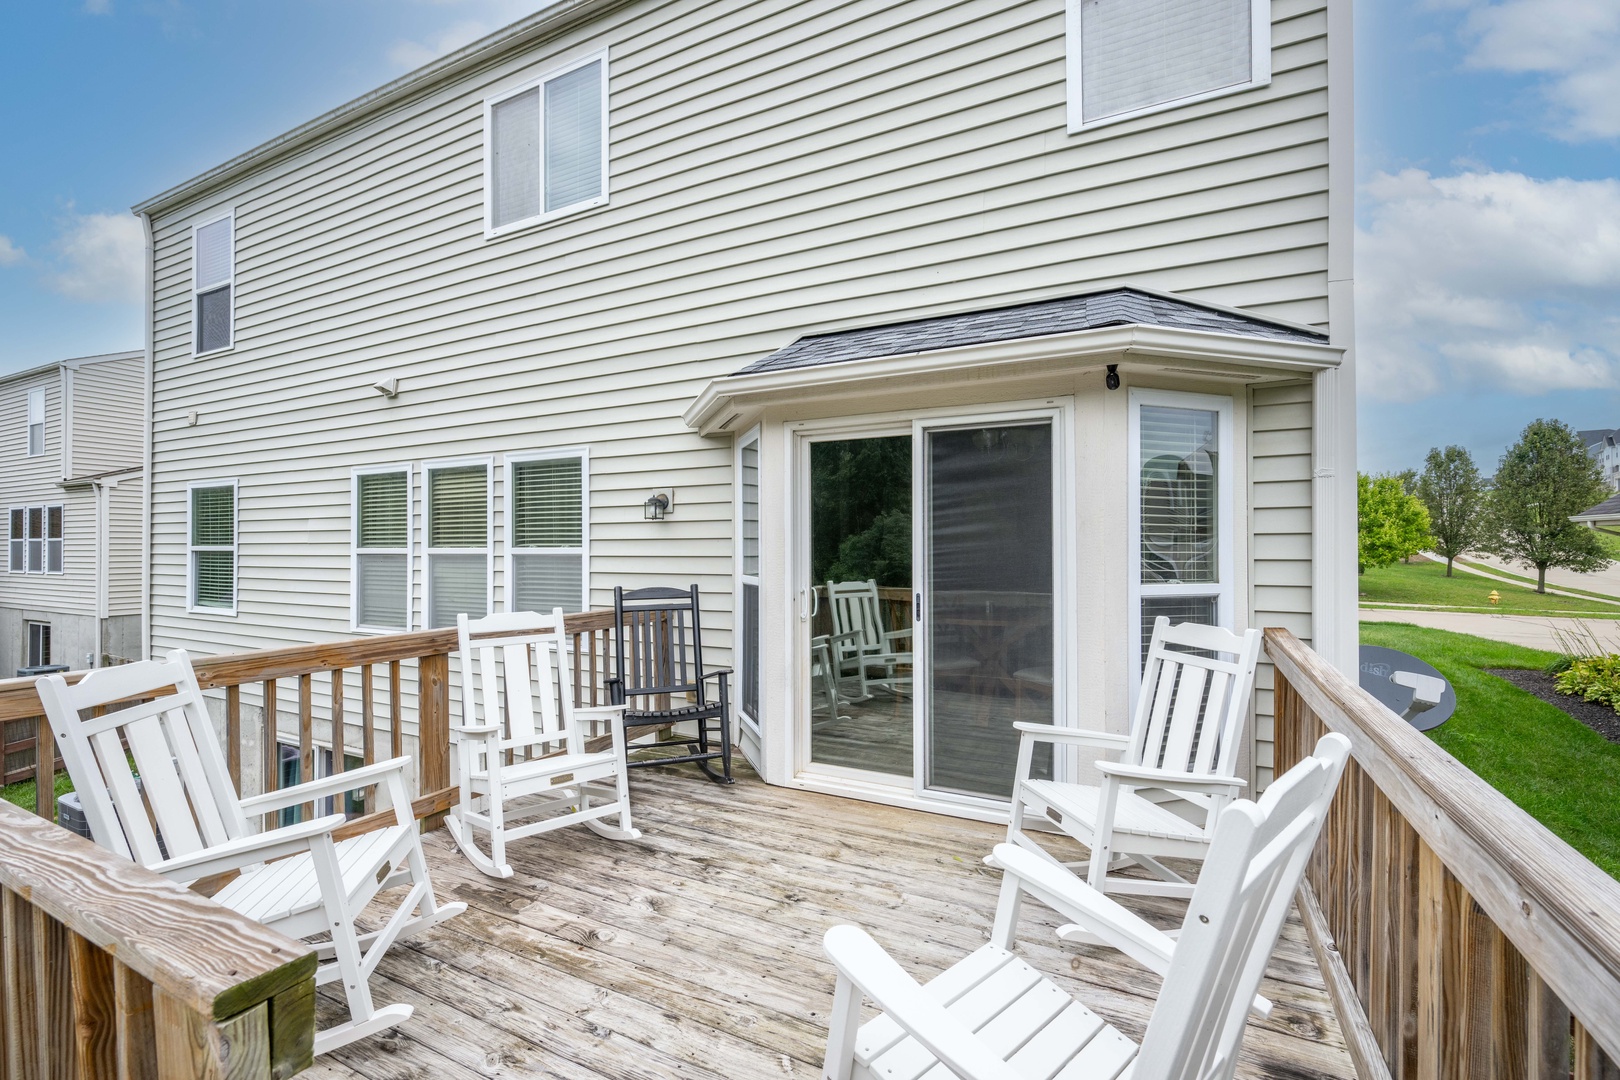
(1488, 262)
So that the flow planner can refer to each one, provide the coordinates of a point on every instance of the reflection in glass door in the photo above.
(861, 689)
(988, 600)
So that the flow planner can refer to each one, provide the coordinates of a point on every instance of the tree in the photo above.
(1543, 479)
(1392, 525)
(1454, 494)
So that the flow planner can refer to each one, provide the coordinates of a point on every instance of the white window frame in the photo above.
(235, 550)
(509, 563)
(428, 468)
(1259, 70)
(44, 539)
(196, 334)
(30, 627)
(1225, 590)
(355, 550)
(753, 723)
(539, 80)
(36, 405)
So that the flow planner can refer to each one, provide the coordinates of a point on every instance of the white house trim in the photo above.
(725, 401)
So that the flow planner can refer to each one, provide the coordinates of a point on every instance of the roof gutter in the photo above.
(713, 409)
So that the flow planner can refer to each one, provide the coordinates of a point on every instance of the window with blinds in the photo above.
(34, 540)
(546, 146)
(1128, 57)
(548, 513)
(382, 550)
(211, 531)
(213, 270)
(458, 543)
(1182, 511)
(36, 421)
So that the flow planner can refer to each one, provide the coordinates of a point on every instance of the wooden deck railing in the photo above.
(112, 971)
(1458, 936)
(351, 697)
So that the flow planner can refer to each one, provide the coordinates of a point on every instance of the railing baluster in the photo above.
(396, 734)
(270, 752)
(368, 730)
(233, 734)
(337, 727)
(44, 770)
(306, 738)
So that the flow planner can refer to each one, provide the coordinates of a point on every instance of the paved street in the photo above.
(1533, 631)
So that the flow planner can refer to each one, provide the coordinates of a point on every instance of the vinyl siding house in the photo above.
(71, 437)
(1035, 314)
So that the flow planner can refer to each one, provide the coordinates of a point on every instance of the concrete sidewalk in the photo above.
(1531, 631)
(1605, 581)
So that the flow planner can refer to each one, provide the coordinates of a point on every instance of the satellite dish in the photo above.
(1411, 689)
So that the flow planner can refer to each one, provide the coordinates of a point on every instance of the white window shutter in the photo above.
(574, 136)
(1139, 53)
(515, 158)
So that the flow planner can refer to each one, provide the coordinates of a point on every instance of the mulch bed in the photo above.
(1600, 718)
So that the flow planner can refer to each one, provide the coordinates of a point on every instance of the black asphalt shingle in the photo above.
(1091, 311)
(1609, 507)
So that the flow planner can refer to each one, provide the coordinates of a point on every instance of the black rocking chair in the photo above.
(653, 629)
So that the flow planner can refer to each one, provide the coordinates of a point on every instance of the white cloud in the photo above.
(98, 7)
(474, 19)
(10, 254)
(1574, 45)
(1489, 280)
(99, 258)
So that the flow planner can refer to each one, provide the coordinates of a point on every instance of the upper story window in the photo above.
(1130, 57)
(213, 285)
(36, 421)
(545, 146)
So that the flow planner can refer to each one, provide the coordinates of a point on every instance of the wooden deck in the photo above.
(696, 951)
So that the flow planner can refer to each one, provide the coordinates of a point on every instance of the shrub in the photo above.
(1595, 678)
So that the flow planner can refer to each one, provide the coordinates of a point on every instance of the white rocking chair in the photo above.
(510, 663)
(296, 879)
(1182, 749)
(859, 639)
(993, 1017)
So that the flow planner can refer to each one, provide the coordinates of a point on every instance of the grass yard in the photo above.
(1425, 584)
(1530, 581)
(22, 792)
(1560, 771)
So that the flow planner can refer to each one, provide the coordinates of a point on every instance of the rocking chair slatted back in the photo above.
(855, 609)
(660, 640)
(1190, 713)
(1235, 917)
(522, 661)
(178, 787)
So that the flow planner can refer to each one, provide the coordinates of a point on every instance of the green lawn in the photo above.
(22, 792)
(1425, 583)
(1520, 576)
(1610, 542)
(1560, 771)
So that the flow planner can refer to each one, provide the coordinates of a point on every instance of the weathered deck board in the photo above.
(696, 951)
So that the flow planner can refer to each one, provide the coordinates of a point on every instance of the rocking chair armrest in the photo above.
(891, 635)
(1104, 740)
(719, 672)
(1089, 909)
(337, 784)
(247, 850)
(864, 963)
(599, 712)
(1171, 779)
(477, 731)
(615, 689)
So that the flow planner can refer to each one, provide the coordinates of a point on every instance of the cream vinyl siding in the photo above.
(124, 505)
(35, 481)
(776, 168)
(1279, 533)
(109, 412)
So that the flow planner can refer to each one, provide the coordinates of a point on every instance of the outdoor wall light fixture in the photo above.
(657, 507)
(1112, 382)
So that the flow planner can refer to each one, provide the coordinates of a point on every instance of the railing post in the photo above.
(44, 770)
(433, 729)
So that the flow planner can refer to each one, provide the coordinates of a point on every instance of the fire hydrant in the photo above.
(1496, 597)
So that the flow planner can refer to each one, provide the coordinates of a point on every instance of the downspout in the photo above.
(103, 578)
(146, 449)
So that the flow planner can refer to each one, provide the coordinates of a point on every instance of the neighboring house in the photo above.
(1601, 443)
(1605, 514)
(72, 436)
(1039, 315)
